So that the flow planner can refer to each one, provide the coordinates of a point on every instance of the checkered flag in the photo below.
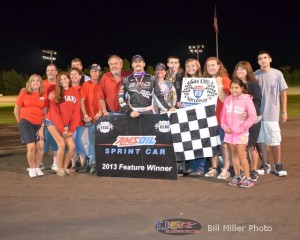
(195, 132)
(211, 91)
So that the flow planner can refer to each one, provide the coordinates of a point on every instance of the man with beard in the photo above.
(138, 91)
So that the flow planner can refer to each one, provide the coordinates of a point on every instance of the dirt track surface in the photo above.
(89, 207)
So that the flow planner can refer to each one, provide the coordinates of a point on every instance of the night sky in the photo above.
(92, 30)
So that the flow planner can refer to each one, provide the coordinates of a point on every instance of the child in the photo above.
(193, 70)
(237, 130)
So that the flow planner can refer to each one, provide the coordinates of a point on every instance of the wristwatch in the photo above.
(284, 113)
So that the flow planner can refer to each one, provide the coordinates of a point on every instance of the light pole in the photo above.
(196, 49)
(50, 55)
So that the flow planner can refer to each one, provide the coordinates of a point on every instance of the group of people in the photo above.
(62, 110)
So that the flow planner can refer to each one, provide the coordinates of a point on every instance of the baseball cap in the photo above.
(137, 58)
(95, 66)
(160, 66)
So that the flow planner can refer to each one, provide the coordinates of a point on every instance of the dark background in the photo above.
(92, 30)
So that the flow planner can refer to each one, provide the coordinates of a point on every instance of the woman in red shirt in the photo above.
(62, 119)
(29, 111)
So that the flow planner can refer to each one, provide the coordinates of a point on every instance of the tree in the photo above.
(12, 82)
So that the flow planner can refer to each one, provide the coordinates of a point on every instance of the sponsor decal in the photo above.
(130, 141)
(104, 127)
(162, 126)
(177, 226)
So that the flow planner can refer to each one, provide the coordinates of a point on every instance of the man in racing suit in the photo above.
(139, 89)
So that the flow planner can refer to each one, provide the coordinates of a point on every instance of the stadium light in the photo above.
(196, 49)
(49, 55)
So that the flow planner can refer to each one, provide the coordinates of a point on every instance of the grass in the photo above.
(8, 118)
(7, 115)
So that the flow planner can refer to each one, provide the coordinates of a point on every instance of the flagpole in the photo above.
(216, 30)
(217, 45)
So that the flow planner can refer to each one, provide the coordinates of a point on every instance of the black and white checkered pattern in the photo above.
(195, 132)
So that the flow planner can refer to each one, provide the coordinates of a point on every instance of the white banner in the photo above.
(199, 91)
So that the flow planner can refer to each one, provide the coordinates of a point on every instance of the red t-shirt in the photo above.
(109, 90)
(226, 87)
(48, 87)
(32, 106)
(67, 112)
(90, 93)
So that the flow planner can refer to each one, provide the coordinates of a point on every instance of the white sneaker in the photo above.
(54, 166)
(224, 174)
(211, 173)
(39, 172)
(279, 170)
(32, 173)
(266, 169)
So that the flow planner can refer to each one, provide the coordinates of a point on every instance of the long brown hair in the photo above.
(28, 84)
(59, 91)
(222, 71)
(245, 64)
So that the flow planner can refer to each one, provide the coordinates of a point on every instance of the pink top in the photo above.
(232, 109)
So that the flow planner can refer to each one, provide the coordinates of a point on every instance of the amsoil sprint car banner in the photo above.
(136, 148)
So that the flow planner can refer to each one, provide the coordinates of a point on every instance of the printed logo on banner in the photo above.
(130, 141)
(104, 127)
(162, 126)
(198, 91)
(178, 226)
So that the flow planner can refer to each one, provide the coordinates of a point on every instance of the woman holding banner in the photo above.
(193, 70)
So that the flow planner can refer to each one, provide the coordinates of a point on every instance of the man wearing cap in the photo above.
(110, 86)
(91, 109)
(139, 89)
(166, 87)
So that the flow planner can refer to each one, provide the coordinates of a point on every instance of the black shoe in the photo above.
(254, 175)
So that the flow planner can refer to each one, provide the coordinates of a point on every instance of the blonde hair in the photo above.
(198, 73)
(28, 84)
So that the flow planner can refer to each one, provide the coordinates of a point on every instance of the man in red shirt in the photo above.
(49, 85)
(91, 110)
(110, 86)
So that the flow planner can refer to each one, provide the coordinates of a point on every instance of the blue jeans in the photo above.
(198, 164)
(49, 140)
(91, 144)
(78, 142)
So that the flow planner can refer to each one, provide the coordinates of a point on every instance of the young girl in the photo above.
(62, 119)
(77, 78)
(29, 111)
(193, 70)
(214, 68)
(237, 130)
(243, 71)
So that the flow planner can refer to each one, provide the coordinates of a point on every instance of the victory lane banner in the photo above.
(199, 91)
(135, 147)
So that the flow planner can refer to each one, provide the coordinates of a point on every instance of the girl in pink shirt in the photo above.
(237, 129)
